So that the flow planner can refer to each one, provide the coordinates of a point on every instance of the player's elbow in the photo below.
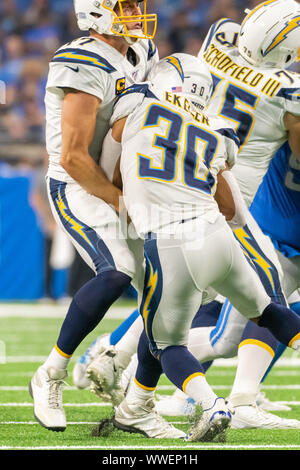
(68, 159)
(227, 211)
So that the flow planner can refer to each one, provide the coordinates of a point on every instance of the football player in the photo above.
(171, 157)
(266, 47)
(84, 79)
(276, 208)
(250, 93)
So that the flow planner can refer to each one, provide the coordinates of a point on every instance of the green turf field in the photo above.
(26, 341)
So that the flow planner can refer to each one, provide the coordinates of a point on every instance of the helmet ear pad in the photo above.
(270, 34)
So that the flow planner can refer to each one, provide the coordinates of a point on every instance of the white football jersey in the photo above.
(171, 156)
(253, 100)
(92, 66)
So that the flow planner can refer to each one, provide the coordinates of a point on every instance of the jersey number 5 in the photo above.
(234, 97)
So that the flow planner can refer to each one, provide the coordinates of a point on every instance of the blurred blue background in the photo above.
(36, 262)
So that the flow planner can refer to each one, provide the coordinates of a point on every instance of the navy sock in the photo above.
(89, 306)
(117, 334)
(178, 364)
(281, 347)
(206, 365)
(254, 332)
(207, 315)
(149, 369)
(283, 323)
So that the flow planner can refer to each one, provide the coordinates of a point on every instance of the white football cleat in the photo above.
(253, 417)
(265, 404)
(212, 423)
(80, 378)
(179, 404)
(46, 390)
(142, 418)
(104, 373)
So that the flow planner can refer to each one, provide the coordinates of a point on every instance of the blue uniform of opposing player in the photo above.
(276, 208)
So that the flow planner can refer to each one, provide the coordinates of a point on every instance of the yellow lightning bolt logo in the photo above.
(74, 225)
(257, 258)
(72, 55)
(288, 28)
(177, 64)
(152, 283)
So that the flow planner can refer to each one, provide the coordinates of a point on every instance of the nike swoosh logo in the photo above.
(75, 69)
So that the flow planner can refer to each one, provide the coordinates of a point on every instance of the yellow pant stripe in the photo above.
(197, 374)
(150, 389)
(62, 353)
(255, 342)
(294, 339)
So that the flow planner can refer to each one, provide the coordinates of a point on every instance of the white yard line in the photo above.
(74, 405)
(40, 310)
(35, 422)
(23, 388)
(98, 404)
(282, 362)
(126, 447)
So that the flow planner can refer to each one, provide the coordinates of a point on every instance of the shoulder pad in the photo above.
(81, 56)
(142, 88)
(220, 30)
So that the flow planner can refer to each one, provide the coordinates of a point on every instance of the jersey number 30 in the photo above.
(169, 145)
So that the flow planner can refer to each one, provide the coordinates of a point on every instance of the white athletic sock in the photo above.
(199, 344)
(200, 390)
(57, 360)
(127, 346)
(136, 394)
(253, 362)
(179, 394)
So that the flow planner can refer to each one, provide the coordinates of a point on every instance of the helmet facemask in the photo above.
(121, 23)
(109, 17)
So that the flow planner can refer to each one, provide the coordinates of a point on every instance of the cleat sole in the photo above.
(217, 430)
(125, 428)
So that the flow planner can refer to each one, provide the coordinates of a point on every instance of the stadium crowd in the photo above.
(31, 31)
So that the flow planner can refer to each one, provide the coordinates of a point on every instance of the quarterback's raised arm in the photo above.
(78, 125)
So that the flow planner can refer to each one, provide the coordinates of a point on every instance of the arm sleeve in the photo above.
(111, 151)
(232, 144)
(289, 95)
